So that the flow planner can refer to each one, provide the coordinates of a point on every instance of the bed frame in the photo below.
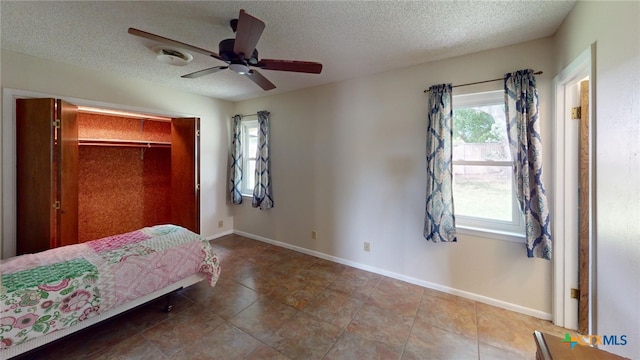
(42, 340)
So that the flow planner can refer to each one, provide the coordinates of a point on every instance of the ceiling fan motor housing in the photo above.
(226, 53)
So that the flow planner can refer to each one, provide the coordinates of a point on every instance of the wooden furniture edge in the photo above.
(543, 351)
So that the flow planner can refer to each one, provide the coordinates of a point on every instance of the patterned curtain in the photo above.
(523, 130)
(262, 196)
(439, 220)
(236, 162)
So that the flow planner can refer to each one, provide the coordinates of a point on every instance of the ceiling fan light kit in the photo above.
(248, 30)
(239, 68)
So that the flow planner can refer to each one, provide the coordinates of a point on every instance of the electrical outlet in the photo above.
(314, 235)
(367, 246)
(220, 224)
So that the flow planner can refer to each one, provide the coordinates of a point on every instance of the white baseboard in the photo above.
(465, 294)
(219, 235)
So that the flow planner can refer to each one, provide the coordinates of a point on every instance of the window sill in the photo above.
(491, 234)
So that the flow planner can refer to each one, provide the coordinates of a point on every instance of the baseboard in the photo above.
(465, 294)
(220, 234)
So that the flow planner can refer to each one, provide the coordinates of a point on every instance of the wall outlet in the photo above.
(367, 246)
(314, 235)
(220, 224)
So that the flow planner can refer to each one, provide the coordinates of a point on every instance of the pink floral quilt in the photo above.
(55, 289)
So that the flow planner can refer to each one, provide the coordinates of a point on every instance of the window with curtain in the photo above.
(249, 134)
(483, 188)
(250, 173)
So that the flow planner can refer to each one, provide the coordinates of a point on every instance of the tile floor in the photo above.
(274, 303)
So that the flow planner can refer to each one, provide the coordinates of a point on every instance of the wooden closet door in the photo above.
(185, 173)
(67, 174)
(44, 166)
(35, 185)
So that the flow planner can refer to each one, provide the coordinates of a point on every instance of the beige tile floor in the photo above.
(274, 303)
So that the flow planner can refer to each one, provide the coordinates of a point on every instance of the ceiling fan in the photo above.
(240, 53)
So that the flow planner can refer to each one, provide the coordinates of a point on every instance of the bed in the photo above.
(51, 294)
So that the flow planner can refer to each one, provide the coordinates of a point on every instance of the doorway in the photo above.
(574, 277)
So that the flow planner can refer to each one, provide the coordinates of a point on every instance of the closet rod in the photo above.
(482, 82)
(133, 145)
(120, 142)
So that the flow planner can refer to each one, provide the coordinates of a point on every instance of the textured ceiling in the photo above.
(350, 38)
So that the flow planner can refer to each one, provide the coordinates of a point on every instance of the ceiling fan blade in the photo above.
(247, 34)
(290, 65)
(167, 41)
(262, 81)
(204, 72)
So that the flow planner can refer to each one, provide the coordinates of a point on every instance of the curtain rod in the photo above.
(482, 82)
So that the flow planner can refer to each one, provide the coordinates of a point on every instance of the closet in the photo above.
(84, 173)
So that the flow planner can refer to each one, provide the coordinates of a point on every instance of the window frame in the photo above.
(513, 230)
(246, 189)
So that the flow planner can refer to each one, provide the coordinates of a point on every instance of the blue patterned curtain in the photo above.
(236, 162)
(262, 196)
(439, 220)
(523, 130)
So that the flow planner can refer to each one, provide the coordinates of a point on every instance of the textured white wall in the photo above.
(615, 28)
(349, 162)
(38, 75)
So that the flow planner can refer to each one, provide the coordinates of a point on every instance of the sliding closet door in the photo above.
(67, 173)
(45, 169)
(185, 173)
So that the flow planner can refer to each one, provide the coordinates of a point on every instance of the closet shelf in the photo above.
(128, 143)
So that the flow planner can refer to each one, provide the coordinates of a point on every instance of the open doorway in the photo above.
(574, 280)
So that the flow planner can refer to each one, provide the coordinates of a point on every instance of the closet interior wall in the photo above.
(124, 174)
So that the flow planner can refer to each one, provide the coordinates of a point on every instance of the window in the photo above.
(483, 193)
(249, 134)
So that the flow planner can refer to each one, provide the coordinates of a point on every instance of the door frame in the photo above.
(9, 96)
(565, 216)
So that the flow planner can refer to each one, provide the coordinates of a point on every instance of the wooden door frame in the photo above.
(565, 212)
(9, 96)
